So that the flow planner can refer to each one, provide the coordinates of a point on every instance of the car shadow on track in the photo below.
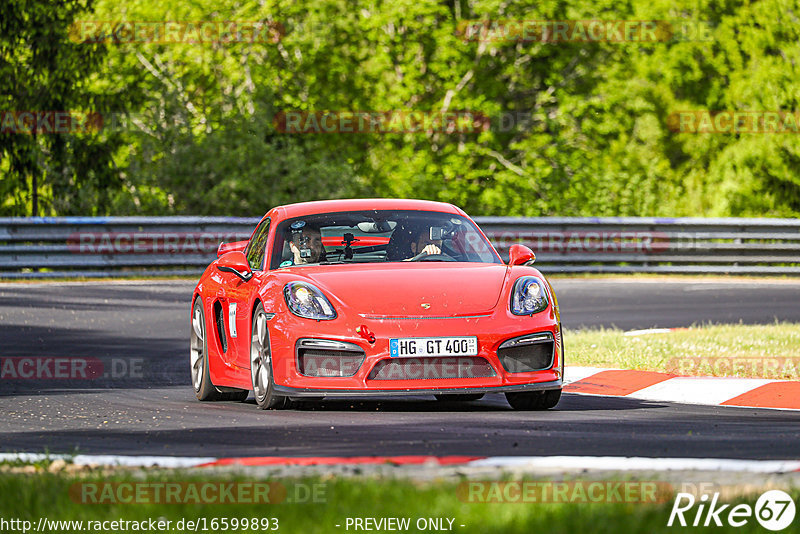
(237, 430)
(490, 403)
(90, 297)
(52, 360)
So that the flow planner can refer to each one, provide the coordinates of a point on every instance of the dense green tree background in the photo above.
(41, 70)
(189, 127)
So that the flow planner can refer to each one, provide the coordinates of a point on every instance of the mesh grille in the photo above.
(318, 363)
(431, 368)
(527, 358)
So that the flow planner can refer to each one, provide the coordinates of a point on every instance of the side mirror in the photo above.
(520, 255)
(224, 248)
(235, 262)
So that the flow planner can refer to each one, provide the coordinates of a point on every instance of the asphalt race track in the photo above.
(147, 407)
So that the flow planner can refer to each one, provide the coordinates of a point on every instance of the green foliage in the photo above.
(576, 128)
(42, 70)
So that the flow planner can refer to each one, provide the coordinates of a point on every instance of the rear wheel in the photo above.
(261, 364)
(459, 397)
(534, 400)
(204, 390)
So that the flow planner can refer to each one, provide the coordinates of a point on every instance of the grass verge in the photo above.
(319, 505)
(752, 351)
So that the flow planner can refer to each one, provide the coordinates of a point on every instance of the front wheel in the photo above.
(261, 364)
(534, 400)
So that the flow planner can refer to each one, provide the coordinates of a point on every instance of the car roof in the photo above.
(358, 204)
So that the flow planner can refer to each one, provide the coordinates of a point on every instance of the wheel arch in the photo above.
(256, 302)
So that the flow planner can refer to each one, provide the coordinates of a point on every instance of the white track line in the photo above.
(614, 463)
(111, 459)
(647, 331)
(603, 463)
(708, 391)
(573, 374)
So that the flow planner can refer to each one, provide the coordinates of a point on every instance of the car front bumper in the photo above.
(491, 329)
(315, 392)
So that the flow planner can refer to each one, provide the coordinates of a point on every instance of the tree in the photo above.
(50, 169)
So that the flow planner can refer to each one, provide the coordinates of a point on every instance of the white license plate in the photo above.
(433, 346)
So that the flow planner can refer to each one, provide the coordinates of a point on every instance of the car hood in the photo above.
(404, 289)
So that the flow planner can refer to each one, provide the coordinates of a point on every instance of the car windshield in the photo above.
(379, 236)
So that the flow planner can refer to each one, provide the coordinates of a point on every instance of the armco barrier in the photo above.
(44, 247)
(144, 246)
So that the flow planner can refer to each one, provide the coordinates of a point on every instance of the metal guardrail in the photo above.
(653, 244)
(54, 247)
(143, 246)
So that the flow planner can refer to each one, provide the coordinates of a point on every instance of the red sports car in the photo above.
(374, 297)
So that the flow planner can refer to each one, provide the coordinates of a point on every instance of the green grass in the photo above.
(764, 351)
(30, 497)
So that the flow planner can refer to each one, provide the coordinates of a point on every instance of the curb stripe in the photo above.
(773, 395)
(344, 460)
(616, 382)
(665, 387)
(574, 374)
(690, 390)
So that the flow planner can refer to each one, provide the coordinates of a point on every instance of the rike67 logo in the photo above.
(774, 510)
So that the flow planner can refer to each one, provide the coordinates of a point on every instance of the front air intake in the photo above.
(328, 358)
(533, 352)
(219, 320)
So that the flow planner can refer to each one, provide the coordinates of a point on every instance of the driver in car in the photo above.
(305, 244)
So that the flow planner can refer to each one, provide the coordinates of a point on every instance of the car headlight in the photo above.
(529, 296)
(305, 300)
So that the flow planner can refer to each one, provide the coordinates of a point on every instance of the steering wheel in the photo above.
(432, 257)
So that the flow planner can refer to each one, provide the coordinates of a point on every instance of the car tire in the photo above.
(534, 400)
(459, 397)
(261, 364)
